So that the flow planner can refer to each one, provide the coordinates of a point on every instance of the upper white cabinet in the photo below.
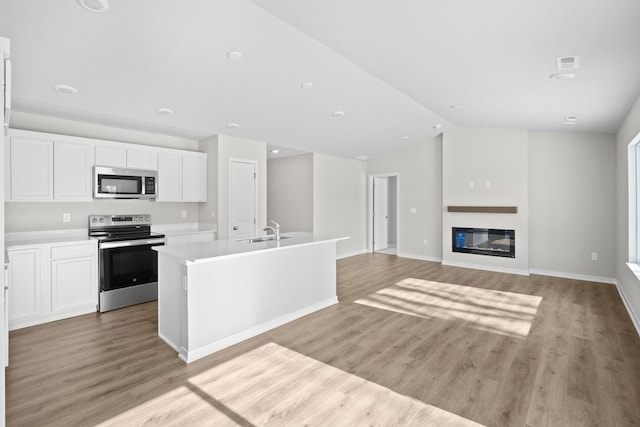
(194, 178)
(48, 167)
(169, 178)
(142, 159)
(111, 156)
(119, 156)
(72, 171)
(31, 169)
(182, 177)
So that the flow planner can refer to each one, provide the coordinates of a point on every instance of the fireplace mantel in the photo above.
(484, 209)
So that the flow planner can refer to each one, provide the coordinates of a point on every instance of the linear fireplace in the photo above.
(484, 241)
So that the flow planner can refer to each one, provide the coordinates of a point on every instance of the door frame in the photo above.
(229, 194)
(370, 222)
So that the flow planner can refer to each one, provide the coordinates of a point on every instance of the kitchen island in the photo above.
(214, 294)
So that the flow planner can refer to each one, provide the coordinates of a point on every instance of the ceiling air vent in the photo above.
(568, 62)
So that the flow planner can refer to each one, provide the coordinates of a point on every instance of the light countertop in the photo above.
(217, 249)
(186, 228)
(19, 240)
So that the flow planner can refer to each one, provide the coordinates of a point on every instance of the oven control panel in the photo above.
(115, 220)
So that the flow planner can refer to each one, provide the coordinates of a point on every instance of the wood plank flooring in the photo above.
(435, 348)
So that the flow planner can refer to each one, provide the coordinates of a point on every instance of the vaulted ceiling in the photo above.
(382, 73)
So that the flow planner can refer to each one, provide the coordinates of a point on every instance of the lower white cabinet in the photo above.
(52, 282)
(25, 289)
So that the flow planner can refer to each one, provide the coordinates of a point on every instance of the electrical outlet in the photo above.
(594, 256)
(184, 214)
(414, 210)
(66, 217)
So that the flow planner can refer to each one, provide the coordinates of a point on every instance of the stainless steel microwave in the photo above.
(118, 183)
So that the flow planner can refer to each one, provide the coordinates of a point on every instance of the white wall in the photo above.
(230, 147)
(208, 211)
(572, 204)
(340, 201)
(290, 192)
(419, 169)
(27, 216)
(486, 167)
(628, 283)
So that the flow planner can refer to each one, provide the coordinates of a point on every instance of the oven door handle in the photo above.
(124, 244)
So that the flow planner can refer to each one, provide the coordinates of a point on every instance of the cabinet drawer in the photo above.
(73, 251)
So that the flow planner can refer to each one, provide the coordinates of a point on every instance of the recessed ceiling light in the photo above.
(403, 138)
(306, 85)
(164, 112)
(233, 126)
(562, 76)
(65, 89)
(455, 107)
(94, 5)
(275, 151)
(337, 114)
(362, 157)
(234, 55)
(437, 126)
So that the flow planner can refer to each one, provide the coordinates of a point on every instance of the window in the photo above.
(634, 204)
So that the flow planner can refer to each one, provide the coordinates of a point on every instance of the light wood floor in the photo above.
(410, 343)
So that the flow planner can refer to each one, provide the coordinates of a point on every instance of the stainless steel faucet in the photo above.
(276, 229)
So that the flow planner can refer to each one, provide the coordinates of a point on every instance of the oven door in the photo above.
(128, 263)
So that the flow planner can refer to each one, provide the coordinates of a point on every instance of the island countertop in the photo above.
(218, 249)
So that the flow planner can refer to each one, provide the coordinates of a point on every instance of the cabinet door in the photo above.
(142, 159)
(73, 283)
(111, 156)
(72, 171)
(169, 178)
(26, 284)
(31, 163)
(194, 178)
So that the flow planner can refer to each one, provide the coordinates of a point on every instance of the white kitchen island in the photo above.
(215, 294)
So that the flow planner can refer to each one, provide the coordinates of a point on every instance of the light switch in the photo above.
(413, 210)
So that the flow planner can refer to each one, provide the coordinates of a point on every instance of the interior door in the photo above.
(380, 213)
(242, 200)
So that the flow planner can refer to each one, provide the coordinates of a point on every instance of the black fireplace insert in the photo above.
(484, 241)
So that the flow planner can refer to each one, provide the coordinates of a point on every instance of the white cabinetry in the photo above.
(142, 159)
(31, 169)
(73, 277)
(25, 300)
(182, 178)
(52, 282)
(72, 171)
(119, 156)
(49, 167)
(111, 156)
(169, 177)
(194, 178)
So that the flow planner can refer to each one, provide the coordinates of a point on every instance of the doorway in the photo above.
(383, 217)
(242, 199)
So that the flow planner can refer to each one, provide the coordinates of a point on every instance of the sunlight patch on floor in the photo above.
(275, 386)
(500, 312)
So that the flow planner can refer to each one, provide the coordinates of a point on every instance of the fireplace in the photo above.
(484, 241)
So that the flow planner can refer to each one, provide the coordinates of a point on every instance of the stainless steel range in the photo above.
(128, 266)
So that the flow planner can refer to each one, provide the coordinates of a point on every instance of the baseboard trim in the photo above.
(517, 271)
(419, 257)
(627, 305)
(583, 277)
